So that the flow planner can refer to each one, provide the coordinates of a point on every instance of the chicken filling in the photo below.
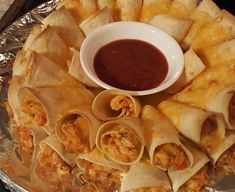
(226, 163)
(76, 131)
(52, 164)
(231, 115)
(121, 143)
(104, 178)
(196, 183)
(150, 189)
(24, 138)
(171, 157)
(209, 135)
(35, 113)
(123, 104)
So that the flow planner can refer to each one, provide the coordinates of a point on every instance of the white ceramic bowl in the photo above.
(133, 30)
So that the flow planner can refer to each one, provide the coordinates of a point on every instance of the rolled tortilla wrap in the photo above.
(164, 146)
(217, 98)
(219, 54)
(204, 128)
(113, 104)
(211, 34)
(52, 163)
(100, 18)
(194, 178)
(77, 130)
(100, 171)
(28, 141)
(193, 66)
(64, 24)
(175, 26)
(41, 72)
(49, 44)
(128, 10)
(145, 177)
(182, 8)
(206, 11)
(152, 8)
(76, 70)
(107, 3)
(122, 140)
(43, 106)
(20, 63)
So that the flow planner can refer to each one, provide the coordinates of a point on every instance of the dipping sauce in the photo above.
(131, 65)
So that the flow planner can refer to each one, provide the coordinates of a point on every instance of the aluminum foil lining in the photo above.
(11, 41)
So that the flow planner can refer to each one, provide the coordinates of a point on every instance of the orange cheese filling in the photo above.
(124, 104)
(171, 157)
(52, 164)
(104, 178)
(76, 133)
(24, 138)
(226, 163)
(122, 144)
(196, 183)
(34, 113)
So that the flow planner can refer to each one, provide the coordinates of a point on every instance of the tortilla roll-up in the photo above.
(77, 130)
(206, 11)
(193, 66)
(204, 128)
(64, 24)
(228, 19)
(152, 8)
(176, 27)
(20, 63)
(113, 104)
(28, 141)
(99, 171)
(100, 18)
(211, 34)
(76, 70)
(218, 98)
(182, 8)
(122, 140)
(164, 146)
(220, 54)
(40, 72)
(194, 178)
(43, 107)
(128, 10)
(107, 3)
(49, 44)
(144, 177)
(52, 163)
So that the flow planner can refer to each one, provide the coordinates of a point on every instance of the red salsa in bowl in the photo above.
(130, 64)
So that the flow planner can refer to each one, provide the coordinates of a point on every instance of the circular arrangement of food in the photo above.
(72, 135)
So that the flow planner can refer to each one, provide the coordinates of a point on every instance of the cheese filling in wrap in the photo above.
(52, 162)
(164, 146)
(112, 104)
(204, 128)
(194, 178)
(77, 131)
(122, 140)
(99, 172)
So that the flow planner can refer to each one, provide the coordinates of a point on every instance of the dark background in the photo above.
(30, 4)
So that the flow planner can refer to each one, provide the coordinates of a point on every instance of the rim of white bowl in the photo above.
(159, 88)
